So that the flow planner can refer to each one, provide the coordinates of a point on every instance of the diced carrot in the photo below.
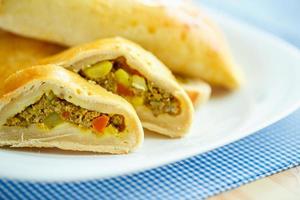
(99, 123)
(66, 115)
(122, 90)
(193, 96)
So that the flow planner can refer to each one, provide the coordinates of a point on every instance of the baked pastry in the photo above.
(18, 52)
(180, 35)
(126, 69)
(198, 91)
(49, 106)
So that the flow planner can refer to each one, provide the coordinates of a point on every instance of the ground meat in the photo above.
(118, 122)
(108, 82)
(161, 102)
(156, 99)
(49, 103)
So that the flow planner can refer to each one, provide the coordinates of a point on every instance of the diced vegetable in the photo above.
(52, 120)
(111, 130)
(139, 82)
(122, 77)
(137, 101)
(99, 123)
(123, 90)
(66, 115)
(98, 70)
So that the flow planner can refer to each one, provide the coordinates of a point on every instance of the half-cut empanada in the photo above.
(49, 106)
(17, 52)
(124, 68)
(184, 38)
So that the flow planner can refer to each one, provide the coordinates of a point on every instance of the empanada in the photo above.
(182, 37)
(124, 68)
(18, 52)
(49, 106)
(198, 91)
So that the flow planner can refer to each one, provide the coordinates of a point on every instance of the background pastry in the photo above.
(198, 91)
(181, 36)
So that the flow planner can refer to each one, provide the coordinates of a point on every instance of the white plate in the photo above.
(272, 68)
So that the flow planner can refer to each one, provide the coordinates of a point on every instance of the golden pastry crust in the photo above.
(182, 37)
(27, 86)
(198, 91)
(146, 64)
(17, 53)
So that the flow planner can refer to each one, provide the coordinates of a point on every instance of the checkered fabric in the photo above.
(269, 151)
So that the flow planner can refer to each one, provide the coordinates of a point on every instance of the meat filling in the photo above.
(116, 76)
(51, 110)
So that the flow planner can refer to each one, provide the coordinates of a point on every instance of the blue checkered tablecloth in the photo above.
(266, 152)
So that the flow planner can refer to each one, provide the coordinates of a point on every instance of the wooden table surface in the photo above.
(282, 186)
